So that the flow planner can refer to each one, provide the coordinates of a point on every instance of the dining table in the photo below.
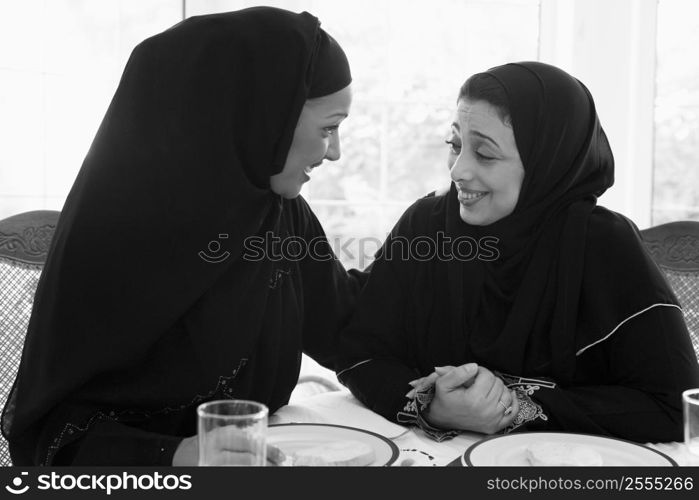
(341, 408)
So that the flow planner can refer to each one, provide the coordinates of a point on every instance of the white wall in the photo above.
(610, 46)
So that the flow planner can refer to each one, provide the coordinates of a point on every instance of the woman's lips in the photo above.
(470, 198)
(307, 170)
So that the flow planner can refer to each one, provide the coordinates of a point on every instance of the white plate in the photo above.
(510, 450)
(291, 438)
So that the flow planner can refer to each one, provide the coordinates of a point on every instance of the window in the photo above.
(408, 60)
(676, 166)
(60, 62)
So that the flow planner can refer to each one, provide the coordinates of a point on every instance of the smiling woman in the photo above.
(316, 138)
(571, 326)
(484, 162)
(118, 357)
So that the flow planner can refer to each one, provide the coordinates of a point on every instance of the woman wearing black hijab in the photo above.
(152, 300)
(537, 309)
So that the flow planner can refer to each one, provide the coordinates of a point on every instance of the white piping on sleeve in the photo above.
(619, 325)
(353, 366)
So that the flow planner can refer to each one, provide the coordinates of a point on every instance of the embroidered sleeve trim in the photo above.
(515, 381)
(529, 411)
(412, 414)
(71, 430)
(624, 321)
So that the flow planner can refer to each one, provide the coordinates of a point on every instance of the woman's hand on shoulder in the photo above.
(472, 398)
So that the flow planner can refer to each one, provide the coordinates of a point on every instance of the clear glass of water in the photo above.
(690, 404)
(232, 432)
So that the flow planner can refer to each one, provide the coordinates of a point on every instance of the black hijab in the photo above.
(556, 287)
(204, 114)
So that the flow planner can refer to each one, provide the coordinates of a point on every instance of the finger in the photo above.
(507, 397)
(505, 403)
(456, 377)
(418, 381)
(427, 381)
(443, 370)
(421, 384)
(483, 382)
(470, 382)
(508, 418)
(497, 390)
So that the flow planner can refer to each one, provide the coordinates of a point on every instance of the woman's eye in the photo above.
(454, 147)
(331, 130)
(484, 157)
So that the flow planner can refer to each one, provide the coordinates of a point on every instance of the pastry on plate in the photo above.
(553, 453)
(335, 453)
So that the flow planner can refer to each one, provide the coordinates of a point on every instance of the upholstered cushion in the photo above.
(686, 286)
(675, 248)
(16, 297)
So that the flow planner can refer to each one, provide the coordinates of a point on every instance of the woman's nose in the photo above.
(333, 152)
(462, 170)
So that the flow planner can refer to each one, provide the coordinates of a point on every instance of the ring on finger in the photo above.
(504, 407)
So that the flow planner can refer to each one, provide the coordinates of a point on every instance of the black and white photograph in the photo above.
(349, 233)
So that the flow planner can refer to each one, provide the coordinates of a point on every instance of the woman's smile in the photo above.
(483, 152)
(307, 170)
(316, 139)
(468, 197)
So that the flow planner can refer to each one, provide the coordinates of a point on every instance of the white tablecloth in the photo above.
(341, 408)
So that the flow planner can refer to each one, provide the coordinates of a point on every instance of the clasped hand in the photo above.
(468, 397)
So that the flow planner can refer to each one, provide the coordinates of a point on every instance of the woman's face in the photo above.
(316, 138)
(484, 163)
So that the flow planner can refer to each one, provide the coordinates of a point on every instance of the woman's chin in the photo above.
(472, 218)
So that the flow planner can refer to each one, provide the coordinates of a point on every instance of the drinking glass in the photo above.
(690, 403)
(232, 432)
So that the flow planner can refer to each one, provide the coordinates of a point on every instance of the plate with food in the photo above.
(330, 445)
(562, 449)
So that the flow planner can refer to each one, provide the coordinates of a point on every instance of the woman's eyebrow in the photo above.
(336, 115)
(484, 137)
